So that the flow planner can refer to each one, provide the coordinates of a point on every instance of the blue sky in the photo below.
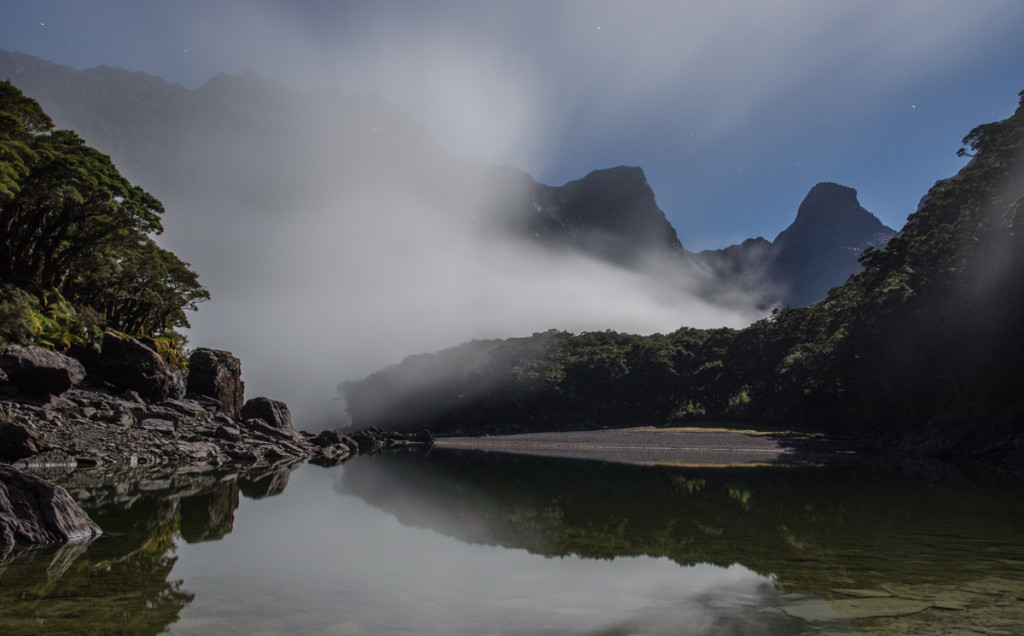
(734, 108)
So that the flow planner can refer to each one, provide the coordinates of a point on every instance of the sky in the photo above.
(733, 108)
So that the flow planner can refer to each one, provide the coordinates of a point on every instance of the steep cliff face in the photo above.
(817, 252)
(610, 213)
(820, 250)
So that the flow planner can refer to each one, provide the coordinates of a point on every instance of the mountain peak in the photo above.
(833, 211)
(619, 202)
(620, 174)
(820, 249)
(826, 201)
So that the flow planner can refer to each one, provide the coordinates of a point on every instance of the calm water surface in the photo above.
(475, 543)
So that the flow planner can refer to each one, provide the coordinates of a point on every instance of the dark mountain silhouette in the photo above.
(817, 252)
(609, 212)
(820, 249)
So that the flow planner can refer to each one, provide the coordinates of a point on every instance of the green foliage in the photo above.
(59, 323)
(18, 323)
(48, 320)
(77, 236)
(170, 348)
(20, 119)
(933, 322)
(144, 291)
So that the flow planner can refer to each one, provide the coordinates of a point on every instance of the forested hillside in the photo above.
(76, 241)
(931, 333)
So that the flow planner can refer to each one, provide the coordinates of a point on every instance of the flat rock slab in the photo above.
(155, 425)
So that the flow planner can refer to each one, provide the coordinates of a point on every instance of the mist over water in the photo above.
(336, 274)
(337, 236)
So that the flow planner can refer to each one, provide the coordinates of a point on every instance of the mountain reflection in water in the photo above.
(927, 534)
(456, 542)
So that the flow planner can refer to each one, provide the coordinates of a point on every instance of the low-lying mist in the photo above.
(336, 236)
(350, 277)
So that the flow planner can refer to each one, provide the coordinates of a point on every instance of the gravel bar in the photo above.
(649, 445)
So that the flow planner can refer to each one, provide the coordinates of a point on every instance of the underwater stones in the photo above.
(38, 371)
(217, 374)
(815, 610)
(34, 511)
(858, 593)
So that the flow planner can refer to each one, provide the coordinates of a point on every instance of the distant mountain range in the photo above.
(241, 150)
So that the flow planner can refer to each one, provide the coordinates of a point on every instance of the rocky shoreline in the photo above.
(118, 403)
(127, 407)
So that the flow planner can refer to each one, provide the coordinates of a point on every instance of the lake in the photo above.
(462, 542)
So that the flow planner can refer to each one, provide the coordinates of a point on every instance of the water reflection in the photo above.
(470, 543)
(122, 582)
(874, 540)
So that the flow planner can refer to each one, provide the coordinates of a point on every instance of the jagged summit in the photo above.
(817, 252)
(832, 213)
(620, 201)
(610, 213)
(826, 199)
(822, 247)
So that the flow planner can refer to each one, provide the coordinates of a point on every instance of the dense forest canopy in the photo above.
(76, 240)
(930, 332)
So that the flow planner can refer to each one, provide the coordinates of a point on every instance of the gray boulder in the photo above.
(40, 371)
(130, 365)
(274, 413)
(18, 440)
(218, 375)
(34, 511)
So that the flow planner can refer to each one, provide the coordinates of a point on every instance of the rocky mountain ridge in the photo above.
(611, 213)
(817, 252)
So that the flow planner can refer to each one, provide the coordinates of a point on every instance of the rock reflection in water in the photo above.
(863, 541)
(120, 583)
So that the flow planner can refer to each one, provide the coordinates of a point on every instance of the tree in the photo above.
(70, 222)
(20, 119)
